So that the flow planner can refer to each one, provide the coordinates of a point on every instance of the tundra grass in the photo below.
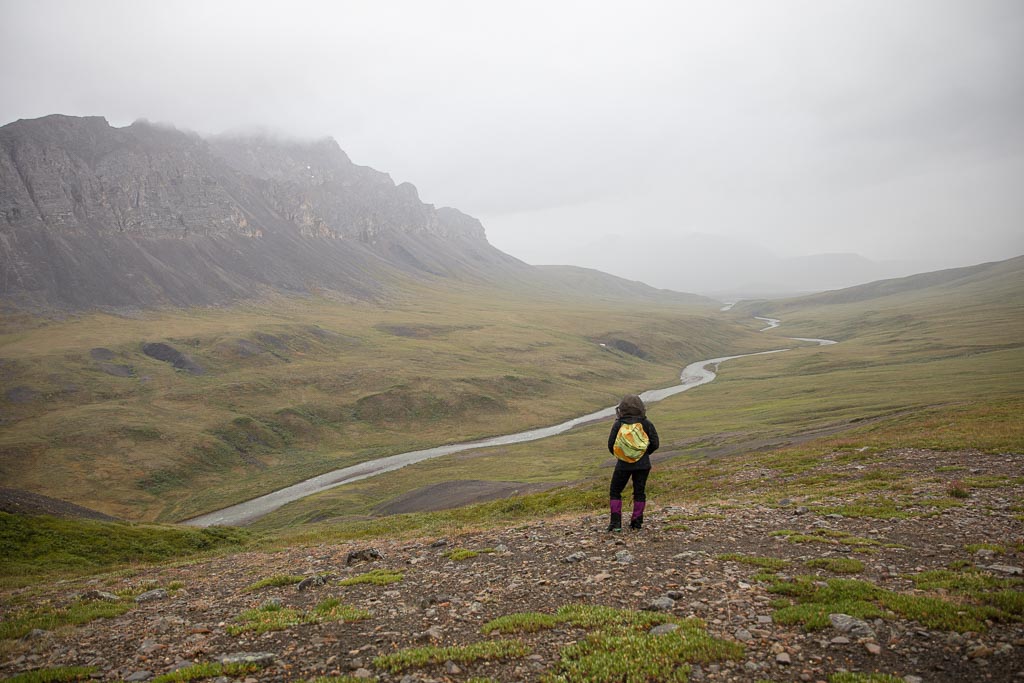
(619, 645)
(46, 618)
(762, 562)
(376, 577)
(276, 580)
(54, 675)
(416, 657)
(814, 602)
(39, 546)
(859, 677)
(837, 565)
(955, 403)
(274, 617)
(207, 670)
(296, 388)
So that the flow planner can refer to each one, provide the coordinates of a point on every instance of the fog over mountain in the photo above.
(888, 130)
(95, 216)
(729, 269)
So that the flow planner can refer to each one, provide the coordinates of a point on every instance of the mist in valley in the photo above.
(733, 149)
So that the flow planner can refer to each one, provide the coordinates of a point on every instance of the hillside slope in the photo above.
(95, 216)
(742, 584)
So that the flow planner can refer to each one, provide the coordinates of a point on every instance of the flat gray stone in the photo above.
(100, 595)
(662, 604)
(258, 658)
(1006, 569)
(149, 596)
(844, 623)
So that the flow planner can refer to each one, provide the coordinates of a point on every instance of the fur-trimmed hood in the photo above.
(631, 406)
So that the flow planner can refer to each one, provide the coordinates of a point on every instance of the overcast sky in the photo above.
(890, 129)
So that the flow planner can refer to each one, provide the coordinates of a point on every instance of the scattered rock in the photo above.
(1006, 569)
(150, 596)
(139, 676)
(34, 634)
(364, 555)
(99, 595)
(624, 557)
(575, 557)
(662, 604)
(783, 659)
(743, 635)
(257, 658)
(844, 623)
(432, 633)
(312, 582)
(873, 648)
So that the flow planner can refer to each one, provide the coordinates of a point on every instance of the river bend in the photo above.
(693, 375)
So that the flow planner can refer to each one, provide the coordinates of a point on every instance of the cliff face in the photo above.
(95, 216)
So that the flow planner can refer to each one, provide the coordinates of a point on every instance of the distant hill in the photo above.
(146, 215)
(729, 269)
(595, 283)
(999, 279)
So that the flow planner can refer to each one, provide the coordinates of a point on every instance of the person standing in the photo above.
(632, 440)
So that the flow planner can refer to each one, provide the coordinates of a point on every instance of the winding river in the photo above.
(693, 375)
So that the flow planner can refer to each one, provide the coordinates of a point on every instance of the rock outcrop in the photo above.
(146, 215)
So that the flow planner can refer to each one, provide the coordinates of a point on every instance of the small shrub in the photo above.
(82, 612)
(207, 670)
(957, 489)
(857, 677)
(422, 656)
(61, 673)
(378, 577)
(277, 618)
(275, 580)
(523, 622)
(638, 656)
(763, 562)
(994, 547)
(837, 565)
(459, 554)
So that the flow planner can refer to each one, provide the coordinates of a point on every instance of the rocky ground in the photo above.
(672, 565)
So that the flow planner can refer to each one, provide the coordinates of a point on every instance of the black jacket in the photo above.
(643, 463)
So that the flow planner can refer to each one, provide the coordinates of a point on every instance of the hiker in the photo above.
(632, 440)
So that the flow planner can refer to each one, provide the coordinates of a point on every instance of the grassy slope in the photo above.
(943, 364)
(952, 384)
(330, 384)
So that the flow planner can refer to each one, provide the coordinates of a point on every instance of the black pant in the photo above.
(621, 477)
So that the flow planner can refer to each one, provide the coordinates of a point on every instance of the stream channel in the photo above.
(693, 375)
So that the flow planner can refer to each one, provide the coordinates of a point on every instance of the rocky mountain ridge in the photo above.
(96, 216)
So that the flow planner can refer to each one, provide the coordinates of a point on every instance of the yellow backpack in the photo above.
(631, 442)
